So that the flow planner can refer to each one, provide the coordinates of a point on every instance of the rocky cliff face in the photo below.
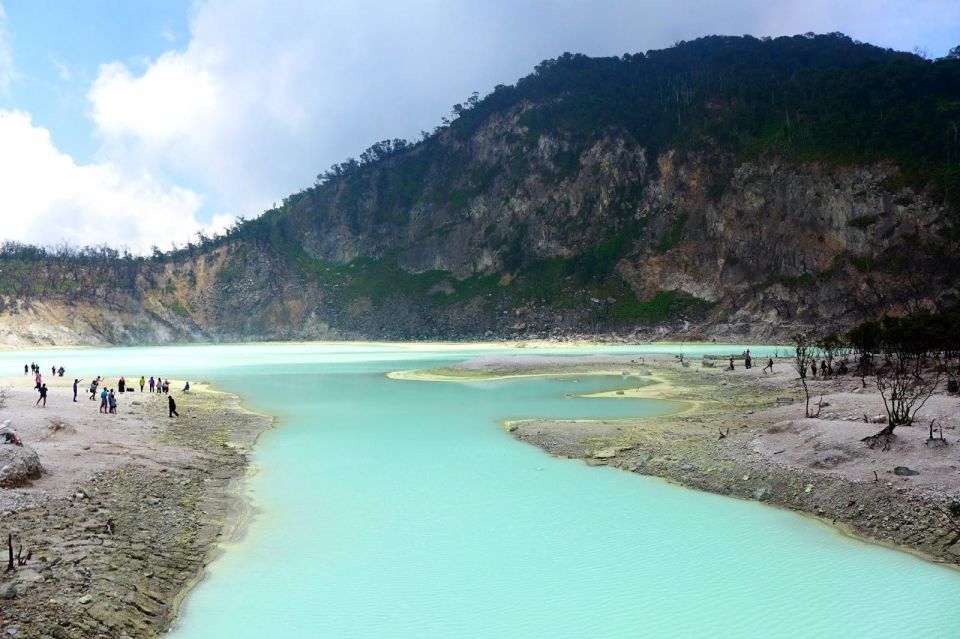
(754, 250)
(792, 245)
(776, 247)
(719, 189)
(480, 201)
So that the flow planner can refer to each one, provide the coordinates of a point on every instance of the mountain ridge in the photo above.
(730, 187)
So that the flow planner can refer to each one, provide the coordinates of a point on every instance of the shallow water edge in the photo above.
(120, 553)
(685, 448)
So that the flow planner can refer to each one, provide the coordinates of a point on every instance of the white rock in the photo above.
(18, 465)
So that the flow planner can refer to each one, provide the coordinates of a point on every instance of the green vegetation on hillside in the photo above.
(823, 97)
(71, 273)
(806, 97)
(585, 284)
(809, 97)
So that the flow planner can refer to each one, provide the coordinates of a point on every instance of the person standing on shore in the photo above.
(142, 383)
(172, 405)
(38, 379)
(152, 383)
(76, 385)
(769, 365)
(103, 400)
(122, 385)
(112, 402)
(25, 369)
(43, 395)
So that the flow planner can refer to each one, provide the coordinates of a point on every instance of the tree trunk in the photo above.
(883, 438)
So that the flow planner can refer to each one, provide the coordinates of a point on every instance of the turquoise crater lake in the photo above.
(391, 508)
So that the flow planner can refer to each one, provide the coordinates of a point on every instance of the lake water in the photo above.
(388, 508)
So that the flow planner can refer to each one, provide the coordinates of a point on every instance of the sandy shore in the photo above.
(130, 509)
(770, 451)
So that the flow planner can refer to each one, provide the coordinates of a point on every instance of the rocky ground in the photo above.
(129, 509)
(769, 451)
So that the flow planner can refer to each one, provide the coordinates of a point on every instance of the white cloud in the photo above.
(63, 71)
(167, 105)
(45, 197)
(269, 93)
(266, 94)
(236, 112)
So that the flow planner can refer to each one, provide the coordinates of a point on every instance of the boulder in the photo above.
(903, 471)
(18, 465)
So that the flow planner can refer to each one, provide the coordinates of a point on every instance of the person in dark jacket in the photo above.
(43, 395)
(172, 405)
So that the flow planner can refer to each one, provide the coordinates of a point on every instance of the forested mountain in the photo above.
(725, 187)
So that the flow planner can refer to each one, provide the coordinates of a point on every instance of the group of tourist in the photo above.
(826, 368)
(34, 368)
(108, 402)
(748, 362)
(39, 386)
(158, 385)
(108, 397)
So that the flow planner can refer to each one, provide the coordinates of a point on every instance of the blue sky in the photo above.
(174, 116)
(58, 47)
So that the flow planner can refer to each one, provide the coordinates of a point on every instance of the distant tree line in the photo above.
(67, 271)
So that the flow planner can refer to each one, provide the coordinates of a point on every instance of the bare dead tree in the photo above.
(863, 341)
(936, 441)
(904, 392)
(830, 346)
(802, 355)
